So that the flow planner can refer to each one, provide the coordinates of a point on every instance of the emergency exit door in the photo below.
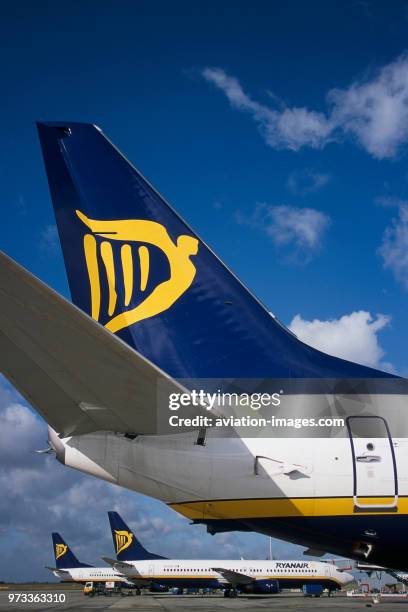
(375, 481)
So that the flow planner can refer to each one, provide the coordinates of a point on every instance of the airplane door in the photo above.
(151, 571)
(374, 465)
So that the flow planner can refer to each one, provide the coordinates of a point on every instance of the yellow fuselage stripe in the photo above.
(285, 507)
(214, 577)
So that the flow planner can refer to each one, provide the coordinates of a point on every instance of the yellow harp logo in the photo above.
(60, 550)
(123, 539)
(164, 295)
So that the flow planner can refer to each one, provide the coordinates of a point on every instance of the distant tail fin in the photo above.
(136, 267)
(64, 557)
(127, 546)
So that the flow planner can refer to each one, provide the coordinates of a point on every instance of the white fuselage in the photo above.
(177, 471)
(185, 571)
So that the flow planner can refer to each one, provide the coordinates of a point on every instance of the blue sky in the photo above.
(278, 130)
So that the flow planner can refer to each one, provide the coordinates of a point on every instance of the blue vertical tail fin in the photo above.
(135, 266)
(64, 557)
(127, 546)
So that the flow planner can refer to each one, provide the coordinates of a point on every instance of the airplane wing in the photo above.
(79, 376)
(232, 577)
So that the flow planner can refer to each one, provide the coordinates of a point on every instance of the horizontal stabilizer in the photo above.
(60, 572)
(115, 562)
(364, 567)
(78, 375)
(121, 566)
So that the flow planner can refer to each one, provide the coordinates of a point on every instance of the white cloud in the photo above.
(301, 229)
(375, 112)
(302, 226)
(290, 128)
(294, 128)
(234, 92)
(17, 421)
(302, 182)
(394, 247)
(372, 111)
(353, 337)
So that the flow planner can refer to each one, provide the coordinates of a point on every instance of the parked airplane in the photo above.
(69, 569)
(248, 576)
(157, 313)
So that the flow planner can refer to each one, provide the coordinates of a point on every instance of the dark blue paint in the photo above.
(68, 559)
(134, 552)
(217, 328)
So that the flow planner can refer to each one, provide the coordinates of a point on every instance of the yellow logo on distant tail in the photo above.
(123, 539)
(60, 550)
(164, 295)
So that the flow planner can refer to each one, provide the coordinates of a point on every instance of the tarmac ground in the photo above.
(165, 602)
